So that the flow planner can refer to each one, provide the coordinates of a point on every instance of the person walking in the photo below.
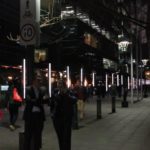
(61, 107)
(34, 116)
(13, 104)
(82, 96)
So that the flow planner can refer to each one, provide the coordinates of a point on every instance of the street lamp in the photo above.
(123, 47)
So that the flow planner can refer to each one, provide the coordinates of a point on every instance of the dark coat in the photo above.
(33, 101)
(62, 104)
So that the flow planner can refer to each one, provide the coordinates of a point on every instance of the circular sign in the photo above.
(27, 32)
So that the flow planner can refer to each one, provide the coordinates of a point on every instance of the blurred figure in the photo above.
(61, 108)
(103, 90)
(34, 115)
(13, 106)
(1, 114)
(81, 95)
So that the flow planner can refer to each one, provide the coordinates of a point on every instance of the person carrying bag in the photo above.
(14, 101)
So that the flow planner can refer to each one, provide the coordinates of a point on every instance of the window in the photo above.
(40, 55)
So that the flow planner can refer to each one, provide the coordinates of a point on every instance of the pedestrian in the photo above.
(34, 115)
(82, 96)
(13, 103)
(61, 105)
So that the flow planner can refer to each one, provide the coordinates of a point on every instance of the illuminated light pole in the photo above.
(50, 79)
(93, 79)
(121, 79)
(68, 77)
(81, 76)
(118, 80)
(24, 78)
(131, 75)
(85, 83)
(128, 83)
(106, 82)
(112, 78)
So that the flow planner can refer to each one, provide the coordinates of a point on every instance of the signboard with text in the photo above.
(28, 22)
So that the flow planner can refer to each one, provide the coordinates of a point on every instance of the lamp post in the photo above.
(123, 47)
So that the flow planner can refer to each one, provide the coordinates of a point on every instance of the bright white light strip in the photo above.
(81, 76)
(24, 78)
(93, 79)
(121, 79)
(106, 82)
(117, 79)
(68, 77)
(85, 83)
(128, 83)
(50, 79)
(112, 78)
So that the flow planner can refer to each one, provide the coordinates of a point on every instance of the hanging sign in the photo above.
(29, 21)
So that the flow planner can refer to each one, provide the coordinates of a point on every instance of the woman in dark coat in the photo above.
(62, 114)
(34, 116)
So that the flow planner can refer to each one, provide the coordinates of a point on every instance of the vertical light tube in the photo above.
(93, 79)
(50, 79)
(81, 76)
(121, 79)
(68, 77)
(117, 79)
(85, 83)
(24, 78)
(106, 82)
(128, 83)
(131, 74)
(139, 82)
(127, 68)
(112, 78)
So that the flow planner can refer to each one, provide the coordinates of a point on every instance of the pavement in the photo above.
(127, 129)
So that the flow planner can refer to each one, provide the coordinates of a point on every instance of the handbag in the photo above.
(16, 96)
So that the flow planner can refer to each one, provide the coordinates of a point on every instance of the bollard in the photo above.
(113, 105)
(75, 117)
(125, 102)
(99, 110)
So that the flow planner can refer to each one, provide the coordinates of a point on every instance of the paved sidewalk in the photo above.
(127, 129)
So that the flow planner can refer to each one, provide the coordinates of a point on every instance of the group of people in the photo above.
(61, 104)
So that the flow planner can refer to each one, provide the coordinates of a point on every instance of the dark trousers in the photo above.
(63, 130)
(13, 113)
(33, 132)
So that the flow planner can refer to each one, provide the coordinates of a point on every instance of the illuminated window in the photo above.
(40, 55)
(147, 74)
(90, 40)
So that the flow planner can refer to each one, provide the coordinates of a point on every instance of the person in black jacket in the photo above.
(61, 106)
(34, 116)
